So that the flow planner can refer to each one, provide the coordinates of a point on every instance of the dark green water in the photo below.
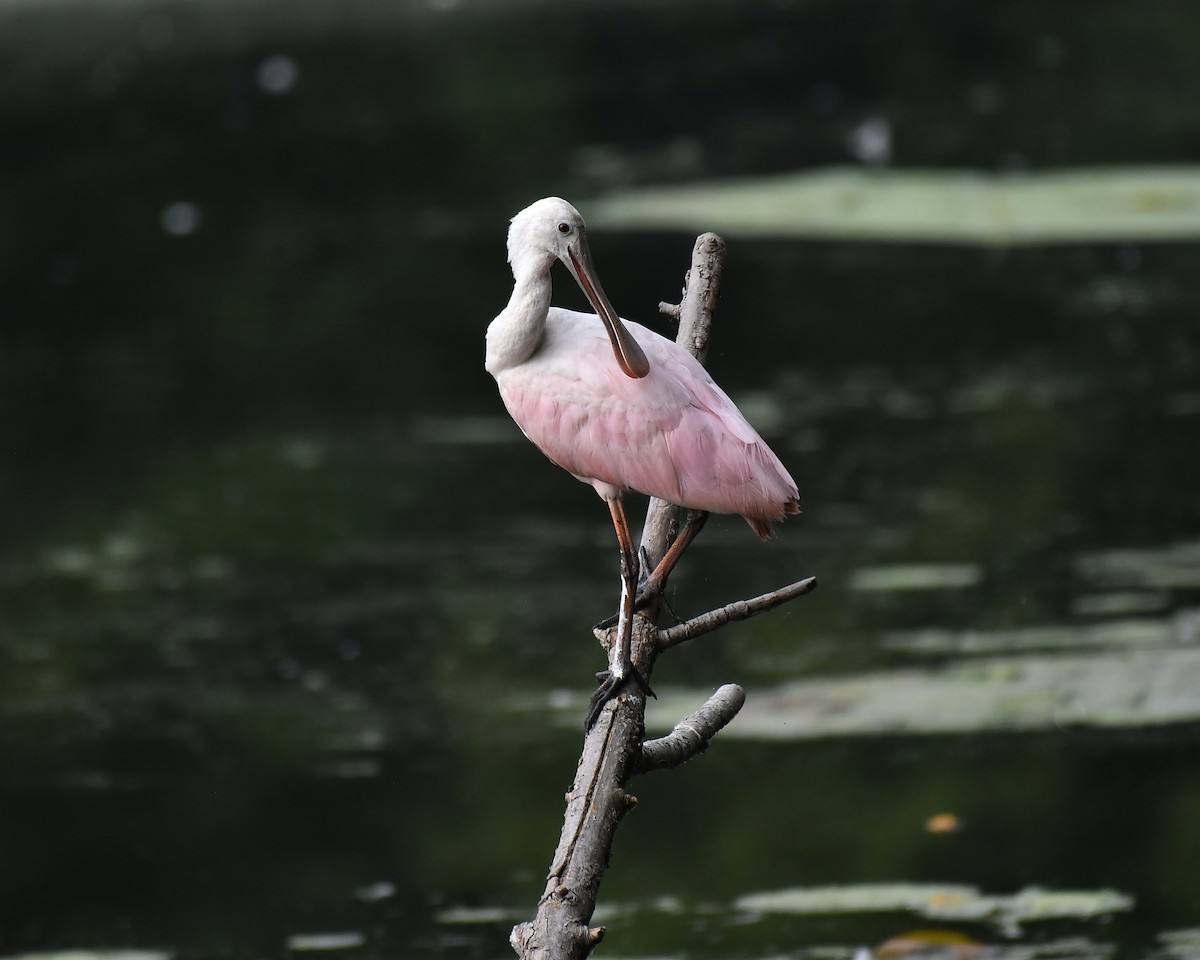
(294, 625)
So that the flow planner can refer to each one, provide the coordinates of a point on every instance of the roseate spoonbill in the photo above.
(628, 411)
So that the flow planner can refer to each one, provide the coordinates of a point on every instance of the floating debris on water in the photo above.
(472, 915)
(941, 902)
(1173, 566)
(115, 954)
(1121, 602)
(943, 823)
(316, 942)
(858, 898)
(944, 206)
(374, 892)
(917, 576)
(950, 944)
(1122, 688)
(1181, 944)
(1126, 633)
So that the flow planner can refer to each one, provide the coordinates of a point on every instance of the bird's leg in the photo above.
(654, 584)
(621, 669)
(651, 588)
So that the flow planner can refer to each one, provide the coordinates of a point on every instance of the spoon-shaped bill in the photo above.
(627, 351)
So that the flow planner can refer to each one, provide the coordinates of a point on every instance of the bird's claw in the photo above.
(640, 602)
(643, 566)
(610, 687)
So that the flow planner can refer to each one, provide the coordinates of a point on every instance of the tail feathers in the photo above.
(763, 525)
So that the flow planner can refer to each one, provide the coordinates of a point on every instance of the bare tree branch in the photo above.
(700, 294)
(613, 748)
(693, 733)
(596, 804)
(732, 612)
(613, 751)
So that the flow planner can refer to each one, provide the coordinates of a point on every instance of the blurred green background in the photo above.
(294, 624)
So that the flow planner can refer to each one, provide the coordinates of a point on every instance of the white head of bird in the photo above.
(539, 234)
(548, 230)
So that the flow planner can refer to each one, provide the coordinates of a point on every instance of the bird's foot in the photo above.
(647, 594)
(612, 682)
(649, 590)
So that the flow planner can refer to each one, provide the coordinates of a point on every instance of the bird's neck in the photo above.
(517, 332)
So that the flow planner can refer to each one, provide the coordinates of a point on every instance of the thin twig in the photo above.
(695, 316)
(693, 733)
(731, 612)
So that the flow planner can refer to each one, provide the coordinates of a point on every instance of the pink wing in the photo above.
(673, 434)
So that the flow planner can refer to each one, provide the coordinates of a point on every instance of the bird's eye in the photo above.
(564, 227)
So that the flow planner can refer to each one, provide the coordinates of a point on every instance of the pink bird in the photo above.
(622, 408)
